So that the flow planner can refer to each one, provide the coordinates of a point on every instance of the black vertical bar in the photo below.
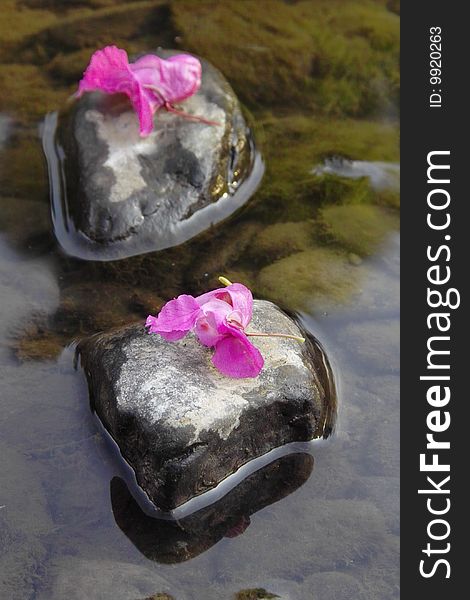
(434, 118)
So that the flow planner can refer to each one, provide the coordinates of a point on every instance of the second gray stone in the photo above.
(182, 425)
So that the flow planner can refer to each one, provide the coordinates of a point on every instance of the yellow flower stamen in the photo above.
(225, 281)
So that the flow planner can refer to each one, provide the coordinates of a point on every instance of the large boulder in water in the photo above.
(116, 194)
(183, 426)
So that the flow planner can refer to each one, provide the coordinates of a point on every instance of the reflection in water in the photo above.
(168, 541)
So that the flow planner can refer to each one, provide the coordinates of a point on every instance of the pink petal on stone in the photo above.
(151, 323)
(206, 330)
(187, 72)
(237, 357)
(242, 301)
(212, 320)
(109, 71)
(236, 294)
(219, 294)
(171, 80)
(176, 318)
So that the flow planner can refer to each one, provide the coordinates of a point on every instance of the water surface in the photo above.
(324, 524)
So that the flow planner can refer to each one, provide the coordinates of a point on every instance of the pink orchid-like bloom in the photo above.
(150, 82)
(218, 319)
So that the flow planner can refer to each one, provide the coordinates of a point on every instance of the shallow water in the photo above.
(322, 522)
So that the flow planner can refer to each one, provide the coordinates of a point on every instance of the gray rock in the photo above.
(182, 425)
(126, 194)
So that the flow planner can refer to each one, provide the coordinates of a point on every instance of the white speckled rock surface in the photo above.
(181, 424)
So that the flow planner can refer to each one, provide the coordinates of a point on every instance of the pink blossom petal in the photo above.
(145, 108)
(186, 76)
(214, 314)
(151, 323)
(206, 330)
(218, 308)
(109, 71)
(219, 294)
(170, 80)
(237, 357)
(176, 318)
(173, 336)
(238, 295)
(242, 301)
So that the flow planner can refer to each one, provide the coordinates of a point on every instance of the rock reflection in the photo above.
(168, 541)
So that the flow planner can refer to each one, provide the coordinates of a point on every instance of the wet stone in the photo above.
(126, 194)
(182, 425)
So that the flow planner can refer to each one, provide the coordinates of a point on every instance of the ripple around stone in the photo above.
(115, 194)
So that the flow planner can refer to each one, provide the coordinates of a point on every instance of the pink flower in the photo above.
(218, 319)
(150, 82)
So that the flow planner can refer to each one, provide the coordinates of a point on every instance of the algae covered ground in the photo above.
(319, 82)
(317, 79)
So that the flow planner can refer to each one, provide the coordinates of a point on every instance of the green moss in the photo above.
(305, 54)
(358, 228)
(26, 223)
(137, 26)
(294, 145)
(16, 24)
(69, 67)
(217, 251)
(85, 308)
(393, 6)
(23, 171)
(30, 93)
(317, 278)
(388, 197)
(281, 239)
(62, 6)
(320, 137)
(88, 307)
(255, 594)
(38, 346)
